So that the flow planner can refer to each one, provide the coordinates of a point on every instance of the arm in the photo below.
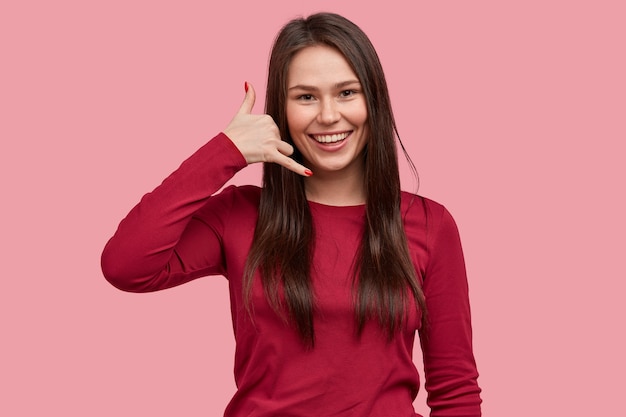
(160, 244)
(449, 366)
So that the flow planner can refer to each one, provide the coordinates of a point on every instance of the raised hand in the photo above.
(258, 139)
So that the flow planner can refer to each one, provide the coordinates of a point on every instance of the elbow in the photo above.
(120, 283)
(120, 275)
(115, 275)
(129, 272)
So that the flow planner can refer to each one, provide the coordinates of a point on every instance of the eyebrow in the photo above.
(312, 88)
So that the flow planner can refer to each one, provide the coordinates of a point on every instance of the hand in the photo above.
(258, 139)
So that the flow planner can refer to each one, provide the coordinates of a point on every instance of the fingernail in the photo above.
(308, 172)
(245, 85)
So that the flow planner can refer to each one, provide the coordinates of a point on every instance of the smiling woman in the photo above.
(327, 115)
(332, 269)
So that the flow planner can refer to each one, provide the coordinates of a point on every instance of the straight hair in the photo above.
(384, 275)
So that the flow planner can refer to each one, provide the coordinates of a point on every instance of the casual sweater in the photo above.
(185, 229)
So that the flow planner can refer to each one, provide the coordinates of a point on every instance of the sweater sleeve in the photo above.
(449, 365)
(160, 244)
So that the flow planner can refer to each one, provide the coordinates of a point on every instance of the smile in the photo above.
(334, 138)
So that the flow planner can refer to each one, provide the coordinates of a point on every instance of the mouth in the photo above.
(330, 138)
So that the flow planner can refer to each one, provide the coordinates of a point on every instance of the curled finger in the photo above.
(285, 148)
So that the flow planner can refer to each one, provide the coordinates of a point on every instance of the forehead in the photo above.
(319, 65)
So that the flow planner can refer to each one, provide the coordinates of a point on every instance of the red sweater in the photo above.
(182, 231)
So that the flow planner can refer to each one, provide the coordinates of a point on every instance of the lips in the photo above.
(330, 138)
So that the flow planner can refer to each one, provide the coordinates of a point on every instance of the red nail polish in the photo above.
(245, 85)
(308, 172)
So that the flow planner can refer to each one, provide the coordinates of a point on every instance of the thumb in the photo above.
(248, 101)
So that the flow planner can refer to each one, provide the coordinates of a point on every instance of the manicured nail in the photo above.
(308, 172)
(245, 85)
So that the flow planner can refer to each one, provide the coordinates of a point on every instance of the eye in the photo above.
(347, 93)
(305, 97)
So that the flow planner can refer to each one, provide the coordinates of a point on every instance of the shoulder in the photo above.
(243, 194)
(422, 213)
(416, 206)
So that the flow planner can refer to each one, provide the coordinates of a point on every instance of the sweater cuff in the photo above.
(237, 158)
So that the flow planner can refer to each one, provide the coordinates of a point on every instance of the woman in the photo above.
(331, 268)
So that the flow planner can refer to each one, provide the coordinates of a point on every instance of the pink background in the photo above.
(514, 113)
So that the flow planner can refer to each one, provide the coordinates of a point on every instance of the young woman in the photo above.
(331, 268)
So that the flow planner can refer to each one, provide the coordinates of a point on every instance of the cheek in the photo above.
(360, 119)
(363, 115)
(295, 126)
(298, 121)
(294, 119)
(358, 115)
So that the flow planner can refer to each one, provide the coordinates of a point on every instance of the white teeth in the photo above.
(330, 138)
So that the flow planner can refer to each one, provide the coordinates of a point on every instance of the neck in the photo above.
(335, 189)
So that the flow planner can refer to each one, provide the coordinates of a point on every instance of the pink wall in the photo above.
(515, 116)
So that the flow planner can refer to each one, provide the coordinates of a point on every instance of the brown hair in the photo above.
(281, 250)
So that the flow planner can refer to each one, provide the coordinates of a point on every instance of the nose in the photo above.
(328, 113)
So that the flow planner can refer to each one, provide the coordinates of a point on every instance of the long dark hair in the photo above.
(281, 249)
